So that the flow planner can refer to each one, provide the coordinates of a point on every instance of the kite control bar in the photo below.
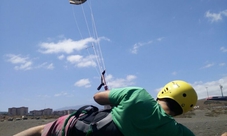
(103, 82)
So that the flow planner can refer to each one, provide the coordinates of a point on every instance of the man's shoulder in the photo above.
(130, 91)
(127, 91)
(128, 88)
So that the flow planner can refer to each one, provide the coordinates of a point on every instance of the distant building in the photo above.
(59, 113)
(22, 111)
(18, 111)
(47, 112)
(63, 112)
(36, 112)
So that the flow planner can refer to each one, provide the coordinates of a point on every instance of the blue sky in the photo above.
(52, 52)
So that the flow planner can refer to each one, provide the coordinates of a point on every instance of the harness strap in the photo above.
(65, 123)
(80, 110)
(76, 114)
(104, 121)
(87, 128)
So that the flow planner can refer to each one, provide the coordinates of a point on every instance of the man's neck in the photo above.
(164, 106)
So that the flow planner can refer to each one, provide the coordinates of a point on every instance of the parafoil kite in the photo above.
(77, 2)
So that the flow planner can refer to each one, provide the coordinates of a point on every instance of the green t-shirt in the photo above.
(136, 113)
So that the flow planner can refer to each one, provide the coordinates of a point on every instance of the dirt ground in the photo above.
(202, 123)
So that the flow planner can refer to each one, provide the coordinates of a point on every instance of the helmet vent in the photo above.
(191, 105)
(184, 94)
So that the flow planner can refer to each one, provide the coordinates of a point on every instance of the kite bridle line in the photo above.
(97, 49)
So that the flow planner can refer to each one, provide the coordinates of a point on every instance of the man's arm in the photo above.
(102, 98)
(34, 131)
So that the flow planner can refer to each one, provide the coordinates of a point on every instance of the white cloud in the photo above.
(24, 66)
(22, 63)
(44, 96)
(15, 59)
(83, 83)
(74, 58)
(61, 57)
(215, 17)
(224, 12)
(25, 63)
(208, 65)
(130, 77)
(61, 94)
(174, 73)
(50, 66)
(211, 88)
(120, 82)
(66, 46)
(223, 49)
(160, 39)
(46, 65)
(222, 64)
(81, 61)
(136, 46)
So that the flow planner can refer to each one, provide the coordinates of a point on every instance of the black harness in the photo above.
(91, 122)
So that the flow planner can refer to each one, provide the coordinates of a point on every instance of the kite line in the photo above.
(95, 45)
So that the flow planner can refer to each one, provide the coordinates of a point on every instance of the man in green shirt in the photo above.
(136, 113)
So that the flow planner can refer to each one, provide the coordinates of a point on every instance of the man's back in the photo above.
(135, 113)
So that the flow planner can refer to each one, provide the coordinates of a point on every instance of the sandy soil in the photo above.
(206, 125)
(9, 128)
(198, 122)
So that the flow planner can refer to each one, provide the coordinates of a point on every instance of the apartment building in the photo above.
(63, 112)
(22, 111)
(47, 111)
(18, 111)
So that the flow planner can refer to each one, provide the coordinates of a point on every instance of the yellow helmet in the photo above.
(180, 91)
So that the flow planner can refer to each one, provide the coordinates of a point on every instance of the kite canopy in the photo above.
(77, 2)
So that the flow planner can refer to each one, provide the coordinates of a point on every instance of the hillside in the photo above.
(208, 108)
(207, 104)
